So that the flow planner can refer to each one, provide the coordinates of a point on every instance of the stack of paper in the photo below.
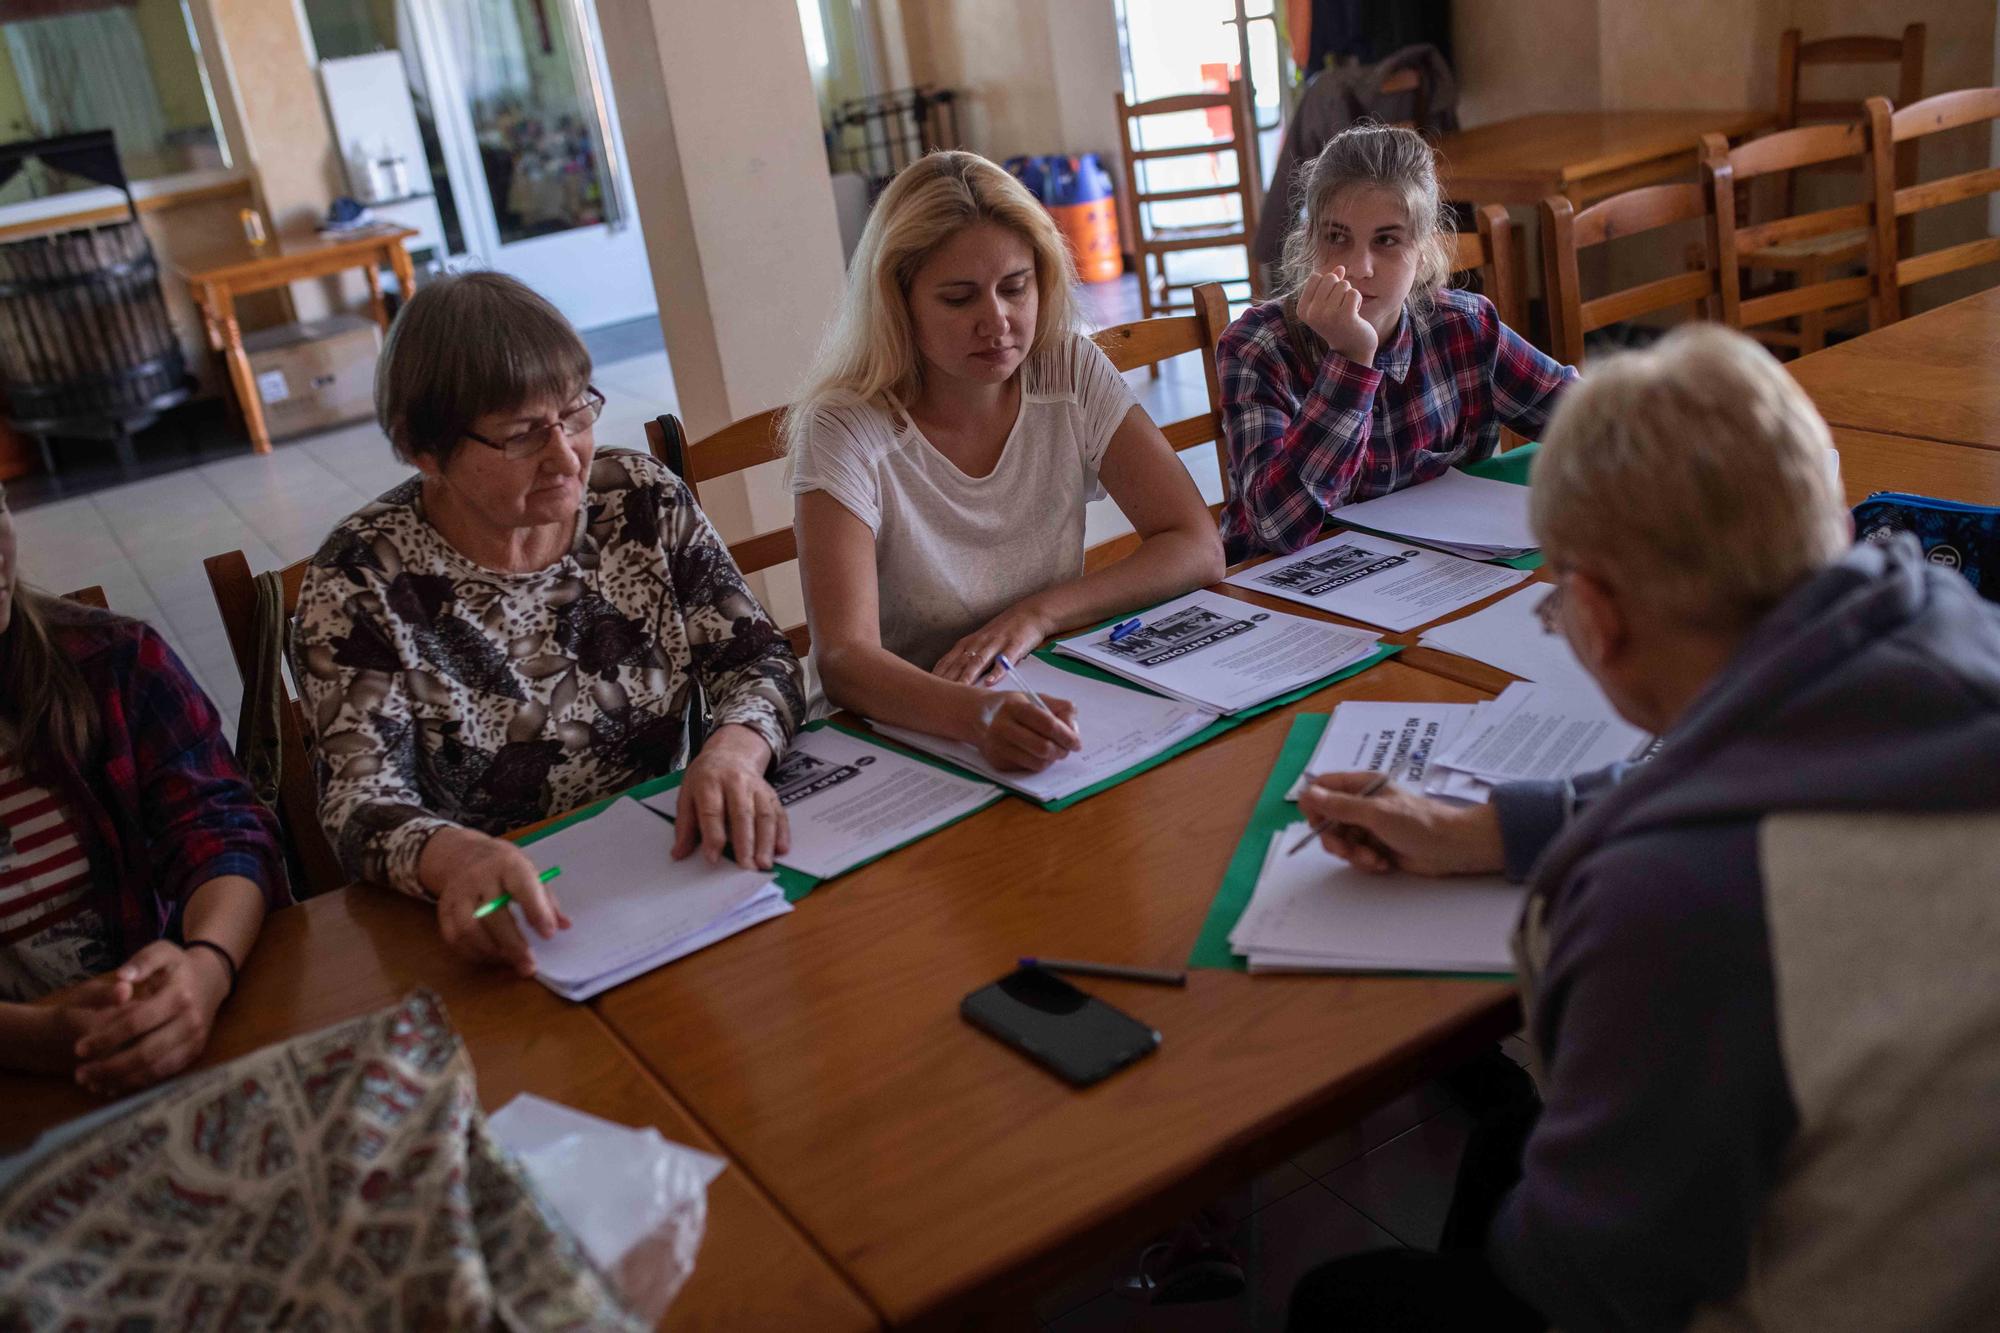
(848, 801)
(1312, 912)
(1534, 733)
(1466, 515)
(1221, 654)
(1387, 583)
(632, 906)
(1509, 635)
(1120, 728)
(1398, 739)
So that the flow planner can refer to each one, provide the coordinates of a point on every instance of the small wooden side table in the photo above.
(215, 281)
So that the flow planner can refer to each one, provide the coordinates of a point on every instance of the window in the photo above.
(133, 67)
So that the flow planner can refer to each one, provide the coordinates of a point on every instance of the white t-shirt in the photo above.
(952, 551)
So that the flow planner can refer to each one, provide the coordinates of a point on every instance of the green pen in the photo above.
(488, 909)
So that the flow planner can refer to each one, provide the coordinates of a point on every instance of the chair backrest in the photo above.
(235, 592)
(1408, 81)
(1239, 120)
(1795, 55)
(1736, 237)
(736, 447)
(1565, 232)
(1489, 250)
(1897, 200)
(91, 596)
(1147, 342)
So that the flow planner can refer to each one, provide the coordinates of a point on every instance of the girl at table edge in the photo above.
(151, 847)
(955, 427)
(1367, 374)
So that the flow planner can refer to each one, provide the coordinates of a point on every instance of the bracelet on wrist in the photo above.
(219, 952)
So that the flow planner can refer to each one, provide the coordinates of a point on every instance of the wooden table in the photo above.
(352, 952)
(1584, 155)
(1871, 461)
(944, 1173)
(216, 280)
(1935, 375)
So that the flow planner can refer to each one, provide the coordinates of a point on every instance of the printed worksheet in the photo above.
(1397, 739)
(1540, 732)
(1220, 653)
(1120, 728)
(631, 905)
(849, 801)
(1473, 516)
(1313, 912)
(1377, 580)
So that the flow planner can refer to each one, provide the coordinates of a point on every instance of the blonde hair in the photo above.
(1698, 473)
(1386, 157)
(871, 352)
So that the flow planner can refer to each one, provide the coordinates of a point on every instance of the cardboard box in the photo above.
(315, 374)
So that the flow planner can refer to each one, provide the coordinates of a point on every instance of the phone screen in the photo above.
(1078, 1036)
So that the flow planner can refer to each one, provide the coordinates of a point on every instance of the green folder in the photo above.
(1271, 813)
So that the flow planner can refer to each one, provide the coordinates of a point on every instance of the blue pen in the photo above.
(1125, 628)
(1007, 668)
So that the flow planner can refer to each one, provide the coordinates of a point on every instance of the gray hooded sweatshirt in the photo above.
(1762, 975)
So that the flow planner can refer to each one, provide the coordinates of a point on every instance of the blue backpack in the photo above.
(1956, 535)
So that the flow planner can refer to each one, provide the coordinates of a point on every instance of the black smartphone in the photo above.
(1079, 1036)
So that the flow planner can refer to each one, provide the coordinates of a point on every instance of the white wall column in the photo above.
(734, 196)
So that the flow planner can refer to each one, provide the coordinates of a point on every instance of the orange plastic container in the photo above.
(1092, 232)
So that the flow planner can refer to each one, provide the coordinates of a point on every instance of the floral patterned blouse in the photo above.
(439, 692)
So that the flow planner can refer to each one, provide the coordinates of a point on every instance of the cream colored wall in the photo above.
(723, 139)
(1036, 76)
(1524, 57)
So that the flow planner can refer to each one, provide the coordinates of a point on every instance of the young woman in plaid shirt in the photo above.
(1368, 375)
(136, 864)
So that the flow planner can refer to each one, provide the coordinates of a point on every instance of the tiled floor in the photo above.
(1381, 1181)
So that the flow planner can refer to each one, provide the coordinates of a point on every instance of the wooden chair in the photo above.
(1150, 243)
(1148, 342)
(1896, 205)
(1491, 252)
(235, 590)
(737, 446)
(1787, 151)
(1810, 260)
(1566, 231)
(91, 596)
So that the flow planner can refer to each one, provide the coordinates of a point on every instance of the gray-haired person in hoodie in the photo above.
(1761, 970)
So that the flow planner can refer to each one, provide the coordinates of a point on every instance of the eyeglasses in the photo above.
(577, 421)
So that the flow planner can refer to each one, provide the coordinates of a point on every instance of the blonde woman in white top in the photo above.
(954, 430)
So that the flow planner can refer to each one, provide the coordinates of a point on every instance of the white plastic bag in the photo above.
(637, 1203)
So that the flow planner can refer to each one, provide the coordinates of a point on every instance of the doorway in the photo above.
(522, 140)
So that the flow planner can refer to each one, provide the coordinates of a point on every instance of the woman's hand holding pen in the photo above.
(1016, 733)
(1396, 830)
(1330, 306)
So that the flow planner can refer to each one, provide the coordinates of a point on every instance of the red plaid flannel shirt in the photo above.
(1306, 436)
(164, 805)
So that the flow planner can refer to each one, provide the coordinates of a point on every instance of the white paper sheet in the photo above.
(1223, 654)
(632, 906)
(1120, 727)
(1399, 739)
(849, 801)
(1508, 635)
(1538, 732)
(1383, 582)
(1314, 912)
(1457, 509)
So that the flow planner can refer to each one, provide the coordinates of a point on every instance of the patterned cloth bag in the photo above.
(343, 1180)
(1956, 535)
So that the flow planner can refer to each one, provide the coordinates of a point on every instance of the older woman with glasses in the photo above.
(518, 629)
